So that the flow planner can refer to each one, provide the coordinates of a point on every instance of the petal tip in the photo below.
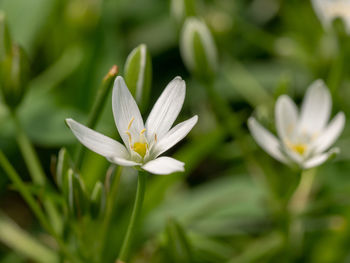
(283, 98)
(118, 82)
(319, 84)
(68, 122)
(179, 82)
(251, 120)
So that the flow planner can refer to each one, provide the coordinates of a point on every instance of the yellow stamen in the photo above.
(129, 135)
(155, 137)
(299, 148)
(143, 131)
(140, 148)
(130, 123)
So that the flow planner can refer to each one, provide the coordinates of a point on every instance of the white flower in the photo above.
(328, 10)
(144, 142)
(303, 137)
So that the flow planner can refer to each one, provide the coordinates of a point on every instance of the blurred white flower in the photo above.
(328, 10)
(144, 143)
(303, 137)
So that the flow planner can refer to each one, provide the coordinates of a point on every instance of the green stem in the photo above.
(112, 194)
(36, 171)
(25, 193)
(141, 187)
(296, 207)
(20, 186)
(301, 195)
(97, 108)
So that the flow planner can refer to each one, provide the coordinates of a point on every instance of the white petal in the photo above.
(319, 159)
(124, 110)
(266, 140)
(166, 109)
(164, 165)
(331, 133)
(316, 108)
(97, 142)
(286, 114)
(123, 161)
(175, 135)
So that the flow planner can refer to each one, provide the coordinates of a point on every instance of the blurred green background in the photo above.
(228, 206)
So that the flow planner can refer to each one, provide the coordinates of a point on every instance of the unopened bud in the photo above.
(74, 192)
(98, 200)
(5, 39)
(64, 163)
(328, 11)
(198, 49)
(14, 75)
(181, 9)
(138, 74)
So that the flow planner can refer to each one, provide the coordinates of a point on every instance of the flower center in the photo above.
(140, 146)
(300, 148)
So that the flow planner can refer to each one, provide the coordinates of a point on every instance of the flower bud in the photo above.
(64, 163)
(74, 193)
(327, 11)
(198, 49)
(14, 75)
(181, 9)
(98, 200)
(5, 39)
(138, 74)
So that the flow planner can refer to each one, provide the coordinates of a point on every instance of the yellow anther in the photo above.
(155, 137)
(140, 148)
(143, 131)
(299, 148)
(130, 123)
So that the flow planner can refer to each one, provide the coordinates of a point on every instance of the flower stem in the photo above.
(36, 171)
(301, 195)
(20, 186)
(297, 205)
(141, 187)
(97, 108)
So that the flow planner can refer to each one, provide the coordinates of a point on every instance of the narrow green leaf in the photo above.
(19, 240)
(178, 246)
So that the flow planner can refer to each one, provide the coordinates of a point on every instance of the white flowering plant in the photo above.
(180, 131)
